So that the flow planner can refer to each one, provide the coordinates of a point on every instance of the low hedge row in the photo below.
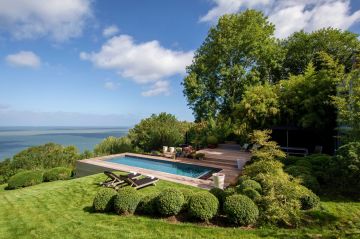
(202, 206)
(33, 177)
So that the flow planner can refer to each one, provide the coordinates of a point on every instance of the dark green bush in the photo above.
(147, 204)
(170, 202)
(309, 181)
(251, 193)
(297, 170)
(104, 200)
(187, 193)
(241, 210)
(126, 200)
(25, 179)
(203, 206)
(304, 163)
(309, 201)
(249, 183)
(59, 173)
(219, 194)
(212, 140)
(290, 160)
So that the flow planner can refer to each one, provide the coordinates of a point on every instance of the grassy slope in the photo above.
(62, 210)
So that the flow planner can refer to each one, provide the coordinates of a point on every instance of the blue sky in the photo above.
(101, 63)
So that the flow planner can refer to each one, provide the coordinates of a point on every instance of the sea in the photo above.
(15, 139)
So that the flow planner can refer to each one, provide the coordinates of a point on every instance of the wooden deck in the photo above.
(222, 159)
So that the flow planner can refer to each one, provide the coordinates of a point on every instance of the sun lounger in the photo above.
(141, 183)
(114, 180)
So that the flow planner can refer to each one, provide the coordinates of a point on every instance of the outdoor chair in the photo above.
(114, 180)
(141, 183)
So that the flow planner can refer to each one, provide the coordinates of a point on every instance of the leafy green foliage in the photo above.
(113, 145)
(126, 200)
(263, 167)
(44, 157)
(249, 184)
(267, 149)
(58, 173)
(241, 210)
(203, 206)
(309, 201)
(158, 130)
(25, 179)
(187, 195)
(170, 202)
(302, 47)
(252, 194)
(147, 204)
(6, 171)
(104, 200)
(347, 102)
(258, 108)
(239, 51)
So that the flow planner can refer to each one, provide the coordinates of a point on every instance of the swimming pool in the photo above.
(188, 170)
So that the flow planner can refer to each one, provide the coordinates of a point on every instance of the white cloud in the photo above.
(109, 85)
(293, 15)
(59, 19)
(110, 31)
(24, 58)
(144, 63)
(160, 87)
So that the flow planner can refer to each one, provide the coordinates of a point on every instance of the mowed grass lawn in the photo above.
(63, 210)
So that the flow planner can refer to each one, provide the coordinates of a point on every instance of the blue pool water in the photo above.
(182, 169)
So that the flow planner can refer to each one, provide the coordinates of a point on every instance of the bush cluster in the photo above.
(25, 179)
(58, 173)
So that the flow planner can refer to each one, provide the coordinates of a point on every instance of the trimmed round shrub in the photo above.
(212, 140)
(297, 170)
(241, 210)
(219, 194)
(187, 193)
(304, 162)
(309, 201)
(25, 179)
(203, 206)
(309, 181)
(249, 184)
(170, 202)
(251, 193)
(59, 173)
(126, 200)
(147, 204)
(104, 200)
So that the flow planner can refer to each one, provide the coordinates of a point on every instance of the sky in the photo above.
(112, 63)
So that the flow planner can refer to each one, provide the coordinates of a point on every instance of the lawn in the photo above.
(63, 210)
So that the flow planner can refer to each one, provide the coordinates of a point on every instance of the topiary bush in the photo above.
(187, 193)
(249, 184)
(309, 201)
(25, 179)
(241, 210)
(219, 194)
(147, 204)
(251, 193)
(203, 206)
(59, 173)
(170, 202)
(104, 200)
(126, 200)
(309, 181)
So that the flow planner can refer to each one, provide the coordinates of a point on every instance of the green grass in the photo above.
(62, 209)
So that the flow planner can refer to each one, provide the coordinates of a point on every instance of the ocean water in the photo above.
(15, 139)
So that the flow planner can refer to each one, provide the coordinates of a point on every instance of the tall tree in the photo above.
(239, 51)
(301, 48)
